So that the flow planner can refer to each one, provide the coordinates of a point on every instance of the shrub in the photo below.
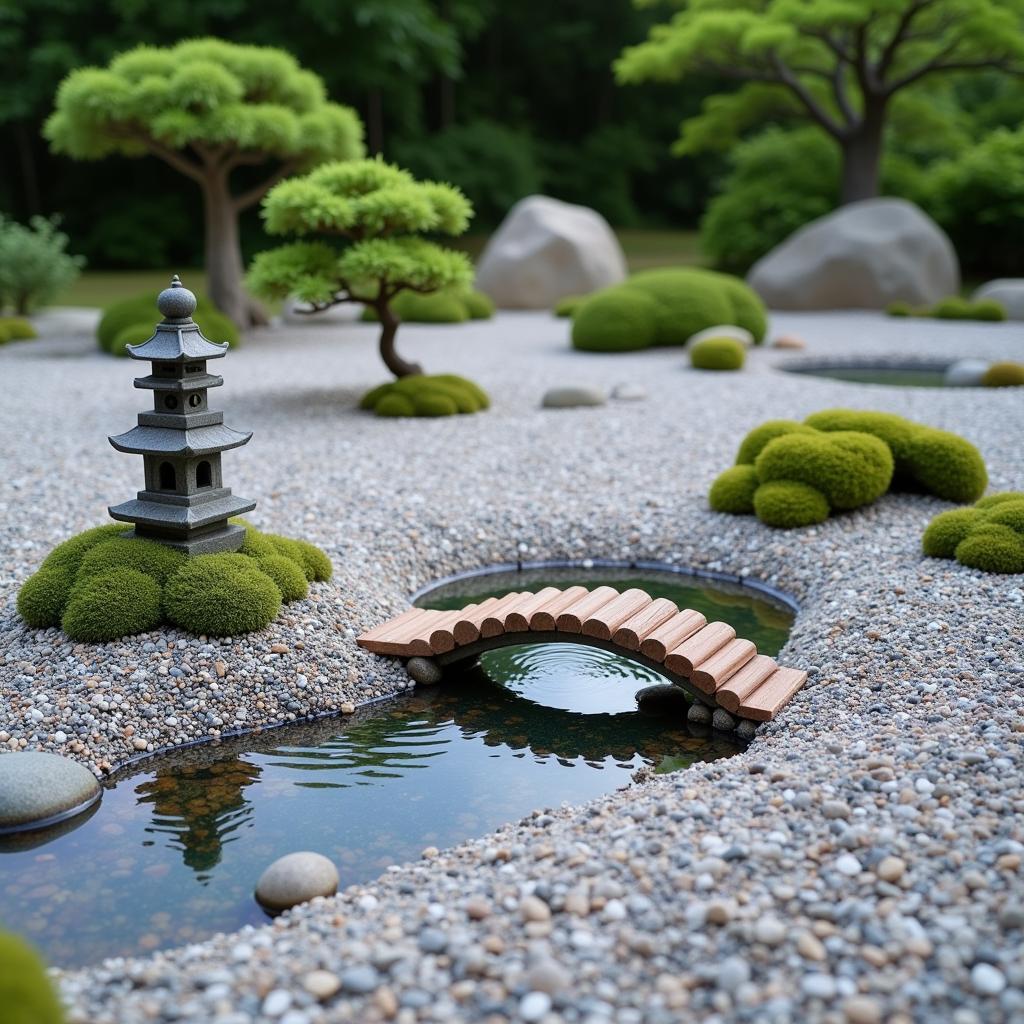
(615, 320)
(850, 458)
(718, 354)
(419, 395)
(478, 305)
(287, 575)
(126, 320)
(112, 604)
(17, 329)
(988, 536)
(221, 595)
(568, 305)
(34, 264)
(44, 594)
(149, 557)
(733, 491)
(988, 309)
(26, 993)
(900, 309)
(1004, 375)
(952, 308)
(787, 504)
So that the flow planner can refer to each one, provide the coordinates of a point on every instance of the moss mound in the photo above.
(16, 328)
(132, 321)
(988, 309)
(848, 458)
(102, 585)
(953, 308)
(421, 395)
(679, 303)
(112, 604)
(221, 595)
(567, 306)
(988, 536)
(1004, 375)
(718, 354)
(446, 306)
(26, 994)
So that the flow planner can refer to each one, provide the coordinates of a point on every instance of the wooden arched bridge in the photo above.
(706, 658)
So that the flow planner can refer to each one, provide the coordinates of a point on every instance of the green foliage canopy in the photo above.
(34, 263)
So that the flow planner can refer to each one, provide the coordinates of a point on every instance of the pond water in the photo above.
(172, 852)
(895, 376)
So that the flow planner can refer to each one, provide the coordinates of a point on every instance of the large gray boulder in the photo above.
(1008, 291)
(545, 250)
(862, 256)
(38, 789)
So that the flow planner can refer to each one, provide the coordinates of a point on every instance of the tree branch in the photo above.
(814, 108)
(938, 64)
(175, 159)
(898, 38)
(255, 194)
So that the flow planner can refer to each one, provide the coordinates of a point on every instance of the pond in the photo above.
(172, 852)
(926, 375)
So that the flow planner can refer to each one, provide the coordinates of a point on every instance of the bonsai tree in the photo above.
(207, 108)
(836, 63)
(380, 212)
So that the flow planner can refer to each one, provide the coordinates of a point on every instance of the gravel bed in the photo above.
(860, 862)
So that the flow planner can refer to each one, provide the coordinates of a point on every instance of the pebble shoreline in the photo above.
(860, 862)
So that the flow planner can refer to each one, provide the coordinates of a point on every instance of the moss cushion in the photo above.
(988, 536)
(421, 395)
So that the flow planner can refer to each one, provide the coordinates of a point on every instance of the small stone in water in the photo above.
(423, 671)
(296, 878)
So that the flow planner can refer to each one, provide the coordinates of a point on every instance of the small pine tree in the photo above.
(380, 212)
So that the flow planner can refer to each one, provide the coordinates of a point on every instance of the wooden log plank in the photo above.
(634, 630)
(467, 629)
(518, 619)
(710, 674)
(494, 623)
(671, 634)
(543, 619)
(572, 619)
(442, 635)
(738, 687)
(406, 636)
(389, 625)
(698, 648)
(603, 623)
(772, 695)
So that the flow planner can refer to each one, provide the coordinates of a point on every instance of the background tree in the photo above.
(207, 108)
(380, 212)
(838, 63)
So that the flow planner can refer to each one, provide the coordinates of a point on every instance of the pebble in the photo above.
(573, 398)
(359, 979)
(891, 869)
(809, 947)
(276, 1003)
(987, 980)
(534, 1006)
(770, 931)
(295, 878)
(534, 909)
(321, 985)
(862, 1010)
(423, 671)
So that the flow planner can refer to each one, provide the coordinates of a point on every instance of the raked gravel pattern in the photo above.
(861, 862)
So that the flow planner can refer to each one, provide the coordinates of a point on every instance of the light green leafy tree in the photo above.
(379, 212)
(35, 266)
(838, 63)
(208, 108)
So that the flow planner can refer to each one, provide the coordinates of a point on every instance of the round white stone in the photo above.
(39, 789)
(965, 373)
(740, 334)
(987, 980)
(296, 878)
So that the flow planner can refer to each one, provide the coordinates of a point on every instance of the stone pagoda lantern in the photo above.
(185, 504)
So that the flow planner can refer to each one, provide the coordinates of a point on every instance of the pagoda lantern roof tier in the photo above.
(178, 340)
(170, 441)
(198, 383)
(161, 514)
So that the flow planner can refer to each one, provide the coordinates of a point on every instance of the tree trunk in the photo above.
(388, 329)
(862, 157)
(224, 269)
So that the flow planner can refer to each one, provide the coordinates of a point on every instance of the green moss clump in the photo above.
(221, 595)
(900, 309)
(788, 505)
(947, 465)
(315, 563)
(988, 309)
(849, 469)
(733, 491)
(718, 354)
(952, 308)
(567, 306)
(26, 993)
(145, 556)
(665, 307)
(17, 328)
(445, 306)
(420, 395)
(70, 553)
(287, 575)
(256, 545)
(4, 335)
(44, 594)
(988, 536)
(947, 529)
(752, 445)
(112, 604)
(135, 334)
(615, 320)
(1004, 375)
(141, 310)
(478, 305)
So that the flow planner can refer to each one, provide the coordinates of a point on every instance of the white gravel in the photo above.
(860, 862)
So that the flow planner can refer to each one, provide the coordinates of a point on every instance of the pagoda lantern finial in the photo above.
(185, 503)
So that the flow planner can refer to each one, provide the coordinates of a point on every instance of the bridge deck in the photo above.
(719, 667)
